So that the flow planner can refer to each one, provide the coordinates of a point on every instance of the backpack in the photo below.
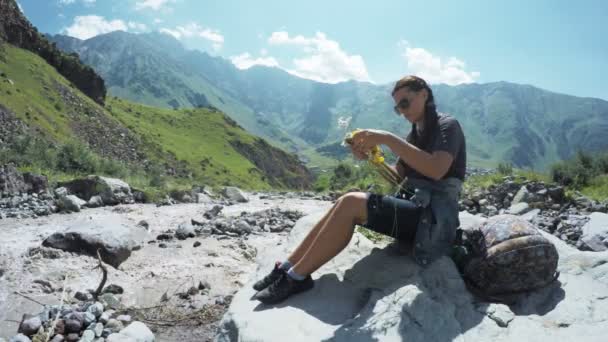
(504, 257)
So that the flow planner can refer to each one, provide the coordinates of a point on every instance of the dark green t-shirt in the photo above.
(448, 137)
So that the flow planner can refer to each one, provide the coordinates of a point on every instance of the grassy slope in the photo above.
(189, 135)
(192, 135)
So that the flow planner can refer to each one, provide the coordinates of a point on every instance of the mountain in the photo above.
(148, 68)
(521, 124)
(18, 31)
(196, 145)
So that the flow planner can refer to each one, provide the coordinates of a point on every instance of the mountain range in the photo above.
(49, 97)
(503, 122)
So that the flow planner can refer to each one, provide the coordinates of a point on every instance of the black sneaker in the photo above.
(269, 278)
(282, 288)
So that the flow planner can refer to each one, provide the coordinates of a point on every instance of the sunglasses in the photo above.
(402, 105)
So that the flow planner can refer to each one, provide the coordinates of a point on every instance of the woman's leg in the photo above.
(335, 234)
(298, 253)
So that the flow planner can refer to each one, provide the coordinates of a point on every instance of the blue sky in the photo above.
(553, 44)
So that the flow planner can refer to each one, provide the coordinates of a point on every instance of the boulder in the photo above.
(185, 230)
(29, 325)
(139, 332)
(519, 208)
(595, 232)
(234, 194)
(95, 202)
(115, 238)
(371, 293)
(70, 203)
(523, 195)
(111, 190)
(202, 198)
(11, 180)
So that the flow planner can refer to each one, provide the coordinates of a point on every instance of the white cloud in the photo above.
(157, 20)
(195, 30)
(85, 27)
(20, 8)
(137, 27)
(422, 63)
(246, 61)
(152, 4)
(324, 59)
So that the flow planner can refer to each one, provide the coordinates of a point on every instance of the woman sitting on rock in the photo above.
(425, 211)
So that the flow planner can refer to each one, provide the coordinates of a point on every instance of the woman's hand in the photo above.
(366, 139)
(358, 153)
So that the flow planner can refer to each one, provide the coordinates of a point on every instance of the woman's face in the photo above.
(410, 103)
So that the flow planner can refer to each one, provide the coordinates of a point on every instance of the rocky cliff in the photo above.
(17, 30)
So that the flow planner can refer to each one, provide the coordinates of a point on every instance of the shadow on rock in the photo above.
(386, 293)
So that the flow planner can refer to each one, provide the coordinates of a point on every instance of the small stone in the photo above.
(30, 325)
(113, 288)
(124, 319)
(73, 326)
(58, 338)
(109, 301)
(202, 285)
(114, 325)
(87, 336)
(95, 202)
(184, 231)
(89, 318)
(192, 291)
(20, 338)
(138, 331)
(60, 327)
(213, 212)
(196, 244)
(106, 332)
(97, 329)
(519, 208)
(162, 245)
(164, 237)
(243, 227)
(104, 318)
(73, 337)
(83, 296)
(96, 309)
(144, 224)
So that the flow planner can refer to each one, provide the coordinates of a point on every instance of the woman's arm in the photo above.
(434, 165)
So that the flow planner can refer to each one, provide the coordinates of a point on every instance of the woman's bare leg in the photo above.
(335, 234)
(298, 253)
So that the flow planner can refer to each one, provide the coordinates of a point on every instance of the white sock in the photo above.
(293, 275)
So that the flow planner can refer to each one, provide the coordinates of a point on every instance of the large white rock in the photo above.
(234, 194)
(115, 238)
(139, 332)
(595, 232)
(375, 294)
(519, 208)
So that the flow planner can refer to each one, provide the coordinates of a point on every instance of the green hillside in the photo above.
(190, 146)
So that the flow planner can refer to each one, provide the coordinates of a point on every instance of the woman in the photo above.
(432, 157)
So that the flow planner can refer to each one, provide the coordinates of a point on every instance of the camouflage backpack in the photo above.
(505, 256)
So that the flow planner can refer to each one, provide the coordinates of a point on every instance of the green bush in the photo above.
(342, 176)
(73, 157)
(505, 168)
(580, 170)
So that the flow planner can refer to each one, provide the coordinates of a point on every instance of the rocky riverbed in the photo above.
(192, 260)
(174, 267)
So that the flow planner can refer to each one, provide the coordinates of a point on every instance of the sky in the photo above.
(558, 45)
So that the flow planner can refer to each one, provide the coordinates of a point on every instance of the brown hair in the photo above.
(416, 84)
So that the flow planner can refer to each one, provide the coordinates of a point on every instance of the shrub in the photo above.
(73, 157)
(505, 168)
